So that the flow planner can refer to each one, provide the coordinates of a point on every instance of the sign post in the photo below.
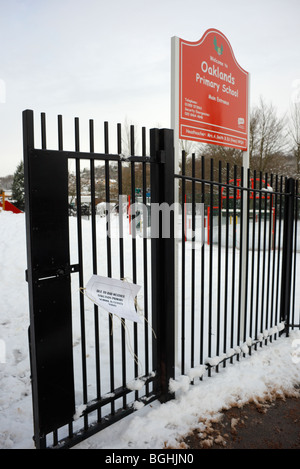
(210, 104)
(175, 127)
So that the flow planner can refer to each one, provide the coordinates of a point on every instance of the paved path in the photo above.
(274, 425)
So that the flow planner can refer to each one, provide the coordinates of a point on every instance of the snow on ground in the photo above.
(270, 371)
(267, 373)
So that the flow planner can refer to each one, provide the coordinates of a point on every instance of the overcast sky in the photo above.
(110, 60)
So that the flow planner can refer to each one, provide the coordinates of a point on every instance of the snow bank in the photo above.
(270, 372)
(15, 399)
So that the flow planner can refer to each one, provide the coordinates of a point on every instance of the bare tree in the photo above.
(268, 137)
(188, 146)
(225, 154)
(294, 131)
(130, 139)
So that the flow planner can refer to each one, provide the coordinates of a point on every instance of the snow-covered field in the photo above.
(270, 371)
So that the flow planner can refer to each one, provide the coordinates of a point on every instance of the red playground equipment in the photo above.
(237, 194)
(7, 206)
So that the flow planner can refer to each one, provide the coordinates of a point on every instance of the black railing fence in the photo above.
(215, 251)
(237, 262)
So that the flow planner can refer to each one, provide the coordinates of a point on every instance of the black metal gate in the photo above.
(206, 299)
(88, 369)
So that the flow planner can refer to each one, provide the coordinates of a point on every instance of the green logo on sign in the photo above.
(218, 49)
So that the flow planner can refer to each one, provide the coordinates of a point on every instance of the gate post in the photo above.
(162, 253)
(287, 254)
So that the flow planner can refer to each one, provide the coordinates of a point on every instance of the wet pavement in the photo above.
(273, 425)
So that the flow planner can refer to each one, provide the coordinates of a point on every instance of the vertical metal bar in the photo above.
(245, 306)
(258, 256)
(132, 152)
(183, 237)
(242, 261)
(43, 130)
(60, 132)
(219, 261)
(44, 147)
(286, 282)
(163, 265)
(226, 262)
(274, 233)
(193, 266)
(107, 198)
(270, 198)
(279, 250)
(295, 255)
(120, 190)
(202, 286)
(108, 262)
(233, 260)
(94, 263)
(121, 248)
(211, 242)
(134, 264)
(81, 276)
(253, 195)
(55, 438)
(145, 256)
(244, 246)
(264, 259)
(121, 213)
(60, 147)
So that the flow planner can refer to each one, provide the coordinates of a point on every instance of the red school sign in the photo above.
(213, 92)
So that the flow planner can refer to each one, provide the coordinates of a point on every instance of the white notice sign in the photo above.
(115, 296)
